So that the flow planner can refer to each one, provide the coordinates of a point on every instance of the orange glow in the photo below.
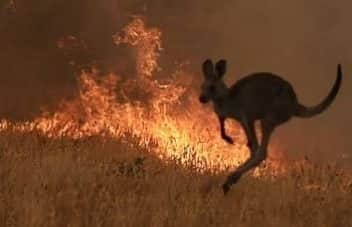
(160, 118)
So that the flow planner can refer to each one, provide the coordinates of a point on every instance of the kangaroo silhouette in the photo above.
(259, 96)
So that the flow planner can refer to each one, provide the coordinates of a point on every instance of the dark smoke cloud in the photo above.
(301, 40)
(34, 71)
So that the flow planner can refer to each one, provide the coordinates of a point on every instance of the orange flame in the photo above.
(182, 130)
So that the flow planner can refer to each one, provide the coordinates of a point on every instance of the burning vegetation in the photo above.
(163, 115)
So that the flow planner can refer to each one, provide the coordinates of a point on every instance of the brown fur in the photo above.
(260, 96)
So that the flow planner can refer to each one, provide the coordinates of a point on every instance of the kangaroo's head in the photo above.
(213, 86)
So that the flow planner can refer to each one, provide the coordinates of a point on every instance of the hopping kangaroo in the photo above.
(260, 96)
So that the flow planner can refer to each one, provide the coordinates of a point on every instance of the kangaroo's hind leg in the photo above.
(255, 159)
(252, 141)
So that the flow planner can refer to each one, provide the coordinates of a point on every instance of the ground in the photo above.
(96, 182)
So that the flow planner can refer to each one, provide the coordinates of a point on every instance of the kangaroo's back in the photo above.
(258, 94)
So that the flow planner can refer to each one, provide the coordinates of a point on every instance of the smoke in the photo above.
(299, 40)
(34, 71)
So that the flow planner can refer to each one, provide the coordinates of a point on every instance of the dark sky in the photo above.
(300, 40)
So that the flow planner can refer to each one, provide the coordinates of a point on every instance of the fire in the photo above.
(148, 43)
(166, 116)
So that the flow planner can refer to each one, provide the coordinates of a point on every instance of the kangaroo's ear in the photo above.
(220, 68)
(208, 69)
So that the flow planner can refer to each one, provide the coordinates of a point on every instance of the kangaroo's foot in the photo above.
(232, 179)
(225, 188)
(227, 139)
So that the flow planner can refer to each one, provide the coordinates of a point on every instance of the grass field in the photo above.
(95, 182)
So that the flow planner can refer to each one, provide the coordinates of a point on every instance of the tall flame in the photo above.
(159, 119)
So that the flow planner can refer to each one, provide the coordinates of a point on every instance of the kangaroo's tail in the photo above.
(305, 112)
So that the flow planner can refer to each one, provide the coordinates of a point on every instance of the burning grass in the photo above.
(102, 182)
(162, 114)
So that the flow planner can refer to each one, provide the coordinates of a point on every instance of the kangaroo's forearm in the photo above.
(222, 126)
(224, 136)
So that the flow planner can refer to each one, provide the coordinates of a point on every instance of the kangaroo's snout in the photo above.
(203, 99)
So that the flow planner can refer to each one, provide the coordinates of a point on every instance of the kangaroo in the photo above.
(261, 96)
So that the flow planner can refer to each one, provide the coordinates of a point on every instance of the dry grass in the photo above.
(104, 183)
